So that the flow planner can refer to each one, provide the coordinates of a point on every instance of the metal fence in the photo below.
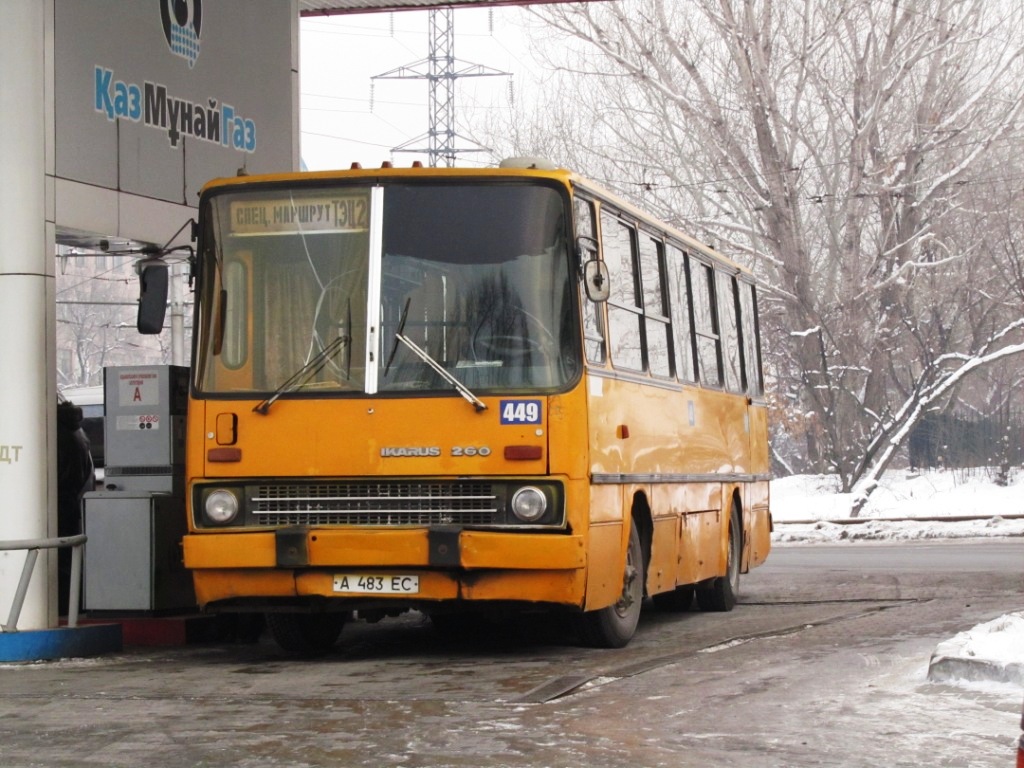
(955, 441)
(33, 546)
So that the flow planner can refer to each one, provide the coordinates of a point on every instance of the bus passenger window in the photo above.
(656, 323)
(751, 346)
(624, 312)
(593, 324)
(730, 331)
(679, 298)
(705, 318)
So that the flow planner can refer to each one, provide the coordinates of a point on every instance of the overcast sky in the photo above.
(342, 54)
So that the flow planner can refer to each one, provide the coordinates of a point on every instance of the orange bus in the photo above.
(455, 390)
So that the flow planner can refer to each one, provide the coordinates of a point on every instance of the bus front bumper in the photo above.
(449, 563)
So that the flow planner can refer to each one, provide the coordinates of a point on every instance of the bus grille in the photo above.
(375, 504)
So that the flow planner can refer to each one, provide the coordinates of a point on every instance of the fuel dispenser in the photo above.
(133, 559)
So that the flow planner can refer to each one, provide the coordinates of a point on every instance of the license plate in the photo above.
(365, 584)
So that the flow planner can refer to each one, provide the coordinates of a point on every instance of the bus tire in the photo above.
(614, 626)
(722, 592)
(306, 634)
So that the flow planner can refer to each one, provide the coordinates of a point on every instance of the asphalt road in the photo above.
(821, 664)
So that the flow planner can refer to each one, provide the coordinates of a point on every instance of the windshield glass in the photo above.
(475, 275)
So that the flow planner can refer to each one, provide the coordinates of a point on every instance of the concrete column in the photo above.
(27, 311)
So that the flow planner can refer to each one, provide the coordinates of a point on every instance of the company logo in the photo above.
(183, 23)
(154, 106)
(391, 453)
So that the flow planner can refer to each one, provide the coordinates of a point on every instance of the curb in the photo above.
(61, 643)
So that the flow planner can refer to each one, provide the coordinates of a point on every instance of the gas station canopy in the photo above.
(337, 7)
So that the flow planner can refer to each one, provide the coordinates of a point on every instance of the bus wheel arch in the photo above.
(643, 521)
(614, 626)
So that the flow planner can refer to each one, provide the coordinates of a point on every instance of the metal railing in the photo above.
(33, 546)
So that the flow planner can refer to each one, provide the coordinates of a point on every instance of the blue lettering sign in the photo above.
(156, 108)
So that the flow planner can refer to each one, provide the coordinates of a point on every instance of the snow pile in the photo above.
(993, 651)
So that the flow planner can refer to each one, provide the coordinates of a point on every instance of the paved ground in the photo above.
(829, 671)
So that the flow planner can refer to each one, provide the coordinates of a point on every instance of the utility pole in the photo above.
(440, 69)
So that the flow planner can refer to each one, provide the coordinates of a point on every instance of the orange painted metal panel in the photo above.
(607, 557)
(348, 547)
(345, 437)
(759, 460)
(759, 518)
(562, 587)
(606, 504)
(665, 555)
(224, 584)
(482, 549)
(703, 532)
(661, 438)
(230, 550)
(567, 428)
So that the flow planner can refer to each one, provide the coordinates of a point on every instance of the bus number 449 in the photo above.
(520, 412)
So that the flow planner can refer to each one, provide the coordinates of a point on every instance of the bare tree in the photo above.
(96, 308)
(835, 147)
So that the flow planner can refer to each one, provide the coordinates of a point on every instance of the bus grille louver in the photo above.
(375, 504)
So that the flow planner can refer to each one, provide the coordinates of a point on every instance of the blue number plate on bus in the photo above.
(520, 412)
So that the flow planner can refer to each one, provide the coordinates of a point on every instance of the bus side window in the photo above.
(730, 331)
(679, 300)
(593, 324)
(751, 340)
(705, 318)
(656, 322)
(625, 315)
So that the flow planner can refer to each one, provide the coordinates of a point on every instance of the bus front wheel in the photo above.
(614, 626)
(306, 634)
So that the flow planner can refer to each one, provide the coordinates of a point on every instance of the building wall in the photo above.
(146, 110)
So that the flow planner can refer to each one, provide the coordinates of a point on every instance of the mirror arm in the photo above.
(585, 246)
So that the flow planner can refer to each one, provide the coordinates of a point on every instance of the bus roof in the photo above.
(513, 168)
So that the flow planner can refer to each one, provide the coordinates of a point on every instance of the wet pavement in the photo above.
(829, 673)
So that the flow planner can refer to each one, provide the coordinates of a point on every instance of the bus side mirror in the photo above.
(152, 297)
(595, 278)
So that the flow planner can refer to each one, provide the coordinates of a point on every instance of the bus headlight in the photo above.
(221, 506)
(529, 504)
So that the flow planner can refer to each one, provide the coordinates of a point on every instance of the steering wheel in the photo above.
(517, 348)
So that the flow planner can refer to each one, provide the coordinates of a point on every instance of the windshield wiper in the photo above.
(312, 367)
(475, 401)
(398, 335)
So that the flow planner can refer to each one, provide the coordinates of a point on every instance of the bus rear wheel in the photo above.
(306, 634)
(722, 592)
(614, 626)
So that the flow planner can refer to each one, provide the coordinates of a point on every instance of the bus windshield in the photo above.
(307, 289)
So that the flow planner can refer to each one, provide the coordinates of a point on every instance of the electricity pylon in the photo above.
(440, 69)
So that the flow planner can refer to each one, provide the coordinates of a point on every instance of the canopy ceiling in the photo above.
(336, 7)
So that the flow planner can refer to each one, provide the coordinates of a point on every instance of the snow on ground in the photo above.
(807, 509)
